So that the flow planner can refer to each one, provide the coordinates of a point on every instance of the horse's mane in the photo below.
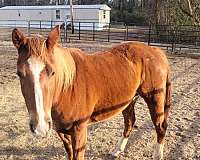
(66, 68)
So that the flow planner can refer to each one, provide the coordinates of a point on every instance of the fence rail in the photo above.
(162, 35)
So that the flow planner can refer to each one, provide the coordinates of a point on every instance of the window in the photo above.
(57, 14)
(68, 16)
(104, 14)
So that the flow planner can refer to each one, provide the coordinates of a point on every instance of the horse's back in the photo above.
(135, 51)
(150, 57)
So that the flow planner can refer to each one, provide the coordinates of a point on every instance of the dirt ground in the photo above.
(183, 134)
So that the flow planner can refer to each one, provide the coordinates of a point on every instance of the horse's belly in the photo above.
(108, 112)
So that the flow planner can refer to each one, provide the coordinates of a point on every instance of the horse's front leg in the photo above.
(66, 138)
(79, 139)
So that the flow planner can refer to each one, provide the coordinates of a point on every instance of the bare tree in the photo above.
(191, 8)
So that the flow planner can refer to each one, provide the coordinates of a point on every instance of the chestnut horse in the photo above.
(69, 89)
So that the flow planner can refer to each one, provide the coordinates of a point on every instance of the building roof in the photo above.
(97, 6)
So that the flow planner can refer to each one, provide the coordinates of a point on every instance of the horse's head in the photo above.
(35, 68)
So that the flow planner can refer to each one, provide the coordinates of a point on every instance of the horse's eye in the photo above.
(52, 73)
(20, 74)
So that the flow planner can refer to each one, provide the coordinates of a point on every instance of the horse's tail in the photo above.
(168, 94)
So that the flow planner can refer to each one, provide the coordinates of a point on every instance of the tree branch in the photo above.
(190, 13)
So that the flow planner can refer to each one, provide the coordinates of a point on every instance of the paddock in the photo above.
(182, 138)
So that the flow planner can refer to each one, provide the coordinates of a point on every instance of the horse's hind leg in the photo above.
(156, 103)
(129, 120)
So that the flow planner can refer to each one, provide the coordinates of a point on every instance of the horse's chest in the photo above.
(59, 120)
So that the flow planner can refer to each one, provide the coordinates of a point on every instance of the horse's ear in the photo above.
(18, 38)
(53, 37)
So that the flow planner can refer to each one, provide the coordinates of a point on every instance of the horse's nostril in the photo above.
(49, 123)
(32, 128)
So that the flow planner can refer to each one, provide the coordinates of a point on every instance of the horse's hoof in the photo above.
(157, 158)
(116, 154)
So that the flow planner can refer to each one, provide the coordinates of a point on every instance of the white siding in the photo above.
(86, 15)
(26, 15)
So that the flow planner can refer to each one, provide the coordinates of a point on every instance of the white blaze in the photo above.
(36, 66)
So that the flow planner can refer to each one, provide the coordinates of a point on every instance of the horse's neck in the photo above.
(65, 71)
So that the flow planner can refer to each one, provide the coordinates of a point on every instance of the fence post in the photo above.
(173, 40)
(168, 35)
(29, 26)
(64, 32)
(40, 26)
(109, 32)
(125, 32)
(149, 35)
(51, 25)
(93, 32)
(79, 30)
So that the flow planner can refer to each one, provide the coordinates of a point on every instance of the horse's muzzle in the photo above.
(41, 129)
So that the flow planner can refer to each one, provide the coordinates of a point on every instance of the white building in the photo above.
(87, 15)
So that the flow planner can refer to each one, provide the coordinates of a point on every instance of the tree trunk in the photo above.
(72, 18)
